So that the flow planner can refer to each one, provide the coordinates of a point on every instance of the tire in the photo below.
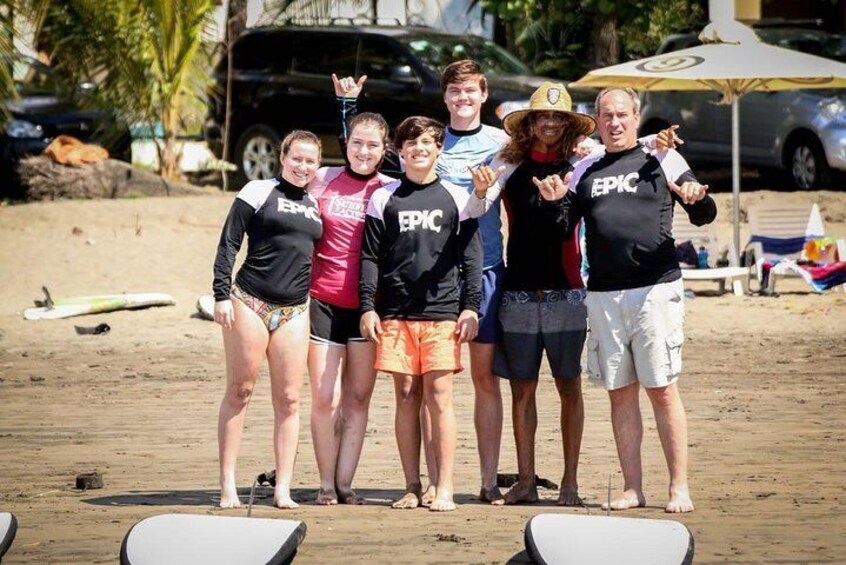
(806, 163)
(257, 153)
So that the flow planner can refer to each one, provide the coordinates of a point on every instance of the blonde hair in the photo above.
(299, 135)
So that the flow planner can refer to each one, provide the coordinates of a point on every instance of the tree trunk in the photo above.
(44, 179)
(605, 45)
(236, 23)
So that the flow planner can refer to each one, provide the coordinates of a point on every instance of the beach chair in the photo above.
(8, 529)
(191, 538)
(705, 236)
(779, 233)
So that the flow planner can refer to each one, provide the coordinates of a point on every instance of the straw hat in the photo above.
(551, 96)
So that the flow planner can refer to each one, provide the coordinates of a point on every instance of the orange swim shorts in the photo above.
(418, 347)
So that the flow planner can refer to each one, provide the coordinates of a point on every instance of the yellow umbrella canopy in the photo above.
(732, 61)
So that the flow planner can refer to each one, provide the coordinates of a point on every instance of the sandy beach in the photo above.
(763, 384)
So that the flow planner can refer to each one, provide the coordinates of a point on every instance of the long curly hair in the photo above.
(519, 147)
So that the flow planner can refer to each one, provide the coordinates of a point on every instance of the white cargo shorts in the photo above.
(635, 335)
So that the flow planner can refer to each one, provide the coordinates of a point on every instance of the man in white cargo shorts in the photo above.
(635, 297)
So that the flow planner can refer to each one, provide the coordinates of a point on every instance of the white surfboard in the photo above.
(81, 305)
(8, 529)
(570, 539)
(189, 538)
(205, 306)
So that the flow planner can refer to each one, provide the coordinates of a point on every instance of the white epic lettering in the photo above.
(424, 219)
(620, 183)
(288, 207)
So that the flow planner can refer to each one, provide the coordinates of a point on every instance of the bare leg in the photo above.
(487, 416)
(628, 435)
(437, 392)
(287, 355)
(525, 421)
(325, 363)
(409, 396)
(671, 421)
(572, 426)
(356, 389)
(244, 345)
(429, 451)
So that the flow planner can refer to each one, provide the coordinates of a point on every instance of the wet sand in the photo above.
(763, 384)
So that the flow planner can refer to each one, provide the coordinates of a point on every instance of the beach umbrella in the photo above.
(732, 61)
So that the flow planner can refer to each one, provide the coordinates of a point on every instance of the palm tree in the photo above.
(143, 55)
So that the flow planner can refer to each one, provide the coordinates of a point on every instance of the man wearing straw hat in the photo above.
(542, 308)
(635, 295)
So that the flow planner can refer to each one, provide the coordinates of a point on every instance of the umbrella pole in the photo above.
(735, 170)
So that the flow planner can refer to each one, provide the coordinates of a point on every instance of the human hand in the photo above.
(224, 313)
(553, 187)
(584, 146)
(690, 191)
(667, 139)
(370, 326)
(467, 326)
(484, 177)
(348, 87)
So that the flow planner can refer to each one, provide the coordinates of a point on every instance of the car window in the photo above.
(822, 45)
(263, 52)
(436, 52)
(380, 60)
(324, 54)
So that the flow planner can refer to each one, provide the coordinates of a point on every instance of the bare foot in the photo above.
(492, 495)
(428, 496)
(443, 501)
(350, 497)
(625, 500)
(521, 492)
(569, 496)
(229, 496)
(679, 500)
(326, 497)
(408, 501)
(282, 498)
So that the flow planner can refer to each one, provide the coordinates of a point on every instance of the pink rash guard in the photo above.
(342, 197)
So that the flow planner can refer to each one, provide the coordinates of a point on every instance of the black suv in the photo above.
(282, 81)
(41, 112)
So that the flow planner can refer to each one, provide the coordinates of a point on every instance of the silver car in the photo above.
(800, 132)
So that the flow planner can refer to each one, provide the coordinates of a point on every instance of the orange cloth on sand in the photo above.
(69, 150)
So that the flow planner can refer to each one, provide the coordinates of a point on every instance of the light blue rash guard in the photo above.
(463, 149)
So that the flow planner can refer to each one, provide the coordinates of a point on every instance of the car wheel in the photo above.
(257, 153)
(808, 166)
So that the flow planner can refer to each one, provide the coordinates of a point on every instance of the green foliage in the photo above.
(147, 57)
(556, 37)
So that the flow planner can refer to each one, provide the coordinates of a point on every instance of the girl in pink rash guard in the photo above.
(340, 361)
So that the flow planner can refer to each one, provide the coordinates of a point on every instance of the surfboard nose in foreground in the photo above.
(8, 529)
(189, 539)
(570, 539)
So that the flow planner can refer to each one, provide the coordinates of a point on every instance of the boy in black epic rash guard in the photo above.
(419, 241)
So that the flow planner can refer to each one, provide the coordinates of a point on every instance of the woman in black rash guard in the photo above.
(265, 311)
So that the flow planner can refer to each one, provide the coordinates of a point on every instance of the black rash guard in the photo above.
(541, 254)
(627, 207)
(282, 222)
(418, 243)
